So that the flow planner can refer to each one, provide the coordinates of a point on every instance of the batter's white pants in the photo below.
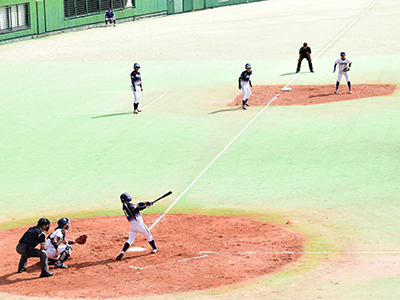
(136, 93)
(51, 252)
(138, 227)
(346, 75)
(246, 91)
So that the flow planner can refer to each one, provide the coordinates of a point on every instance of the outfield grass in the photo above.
(70, 144)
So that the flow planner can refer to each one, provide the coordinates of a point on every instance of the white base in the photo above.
(136, 249)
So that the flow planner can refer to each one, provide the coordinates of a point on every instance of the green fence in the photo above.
(28, 18)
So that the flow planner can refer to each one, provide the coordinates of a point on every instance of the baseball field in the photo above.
(70, 145)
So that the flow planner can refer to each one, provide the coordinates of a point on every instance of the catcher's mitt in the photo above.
(346, 69)
(111, 21)
(82, 239)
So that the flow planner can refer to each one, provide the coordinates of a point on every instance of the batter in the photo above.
(132, 213)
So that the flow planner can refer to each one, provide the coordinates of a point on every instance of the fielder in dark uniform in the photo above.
(245, 85)
(137, 87)
(110, 17)
(305, 53)
(132, 213)
(26, 247)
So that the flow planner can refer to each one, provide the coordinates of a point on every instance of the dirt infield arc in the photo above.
(312, 94)
(196, 252)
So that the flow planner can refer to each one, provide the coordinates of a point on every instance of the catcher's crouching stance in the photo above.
(57, 247)
(132, 213)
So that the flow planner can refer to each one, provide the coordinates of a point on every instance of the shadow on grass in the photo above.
(111, 115)
(224, 110)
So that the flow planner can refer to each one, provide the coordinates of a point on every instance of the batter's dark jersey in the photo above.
(132, 211)
(136, 79)
(305, 52)
(33, 237)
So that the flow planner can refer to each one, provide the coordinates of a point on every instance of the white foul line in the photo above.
(154, 100)
(181, 260)
(251, 121)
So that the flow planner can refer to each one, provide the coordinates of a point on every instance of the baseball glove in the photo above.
(111, 21)
(82, 239)
(346, 69)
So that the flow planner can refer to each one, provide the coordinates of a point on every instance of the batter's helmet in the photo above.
(125, 197)
(247, 66)
(342, 53)
(62, 222)
(136, 65)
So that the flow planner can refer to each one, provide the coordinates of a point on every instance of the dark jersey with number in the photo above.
(33, 237)
(305, 52)
(136, 79)
(245, 76)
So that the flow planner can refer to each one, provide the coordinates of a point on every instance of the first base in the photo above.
(288, 89)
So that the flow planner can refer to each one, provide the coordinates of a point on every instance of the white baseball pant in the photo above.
(246, 91)
(346, 75)
(136, 93)
(137, 227)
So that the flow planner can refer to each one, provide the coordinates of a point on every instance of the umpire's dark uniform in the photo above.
(27, 244)
(305, 53)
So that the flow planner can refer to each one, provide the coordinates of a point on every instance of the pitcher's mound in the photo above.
(196, 252)
(312, 94)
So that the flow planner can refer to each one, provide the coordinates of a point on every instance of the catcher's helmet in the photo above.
(136, 65)
(342, 53)
(62, 222)
(125, 197)
(247, 66)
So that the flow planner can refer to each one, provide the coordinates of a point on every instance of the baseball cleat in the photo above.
(244, 107)
(350, 92)
(135, 111)
(139, 110)
(154, 251)
(335, 91)
(60, 265)
(46, 274)
(23, 269)
(247, 104)
(120, 256)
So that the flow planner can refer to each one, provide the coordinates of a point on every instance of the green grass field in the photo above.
(70, 144)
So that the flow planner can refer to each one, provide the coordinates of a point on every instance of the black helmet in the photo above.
(125, 197)
(43, 221)
(62, 222)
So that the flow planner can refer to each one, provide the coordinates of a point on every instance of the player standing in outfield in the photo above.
(344, 66)
(245, 84)
(57, 247)
(132, 213)
(305, 53)
(137, 88)
(110, 17)
(27, 247)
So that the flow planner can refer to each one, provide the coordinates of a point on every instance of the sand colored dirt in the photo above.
(312, 94)
(196, 252)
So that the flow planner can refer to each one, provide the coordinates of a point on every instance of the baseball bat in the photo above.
(163, 196)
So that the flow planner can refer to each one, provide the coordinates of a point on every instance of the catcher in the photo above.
(132, 213)
(344, 67)
(110, 17)
(57, 247)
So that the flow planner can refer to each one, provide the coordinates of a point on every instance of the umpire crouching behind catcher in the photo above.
(26, 247)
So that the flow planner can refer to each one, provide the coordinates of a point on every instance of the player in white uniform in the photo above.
(132, 213)
(57, 247)
(344, 63)
(245, 84)
(136, 87)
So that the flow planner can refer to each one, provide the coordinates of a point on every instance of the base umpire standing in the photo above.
(305, 53)
(26, 247)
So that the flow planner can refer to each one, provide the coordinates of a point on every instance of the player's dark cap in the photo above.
(305, 44)
(136, 65)
(342, 53)
(125, 197)
(43, 221)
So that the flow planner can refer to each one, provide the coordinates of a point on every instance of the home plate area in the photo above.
(196, 252)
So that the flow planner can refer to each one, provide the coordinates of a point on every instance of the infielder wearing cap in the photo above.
(245, 84)
(132, 213)
(136, 87)
(305, 53)
(344, 66)
(27, 247)
(57, 247)
(110, 17)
